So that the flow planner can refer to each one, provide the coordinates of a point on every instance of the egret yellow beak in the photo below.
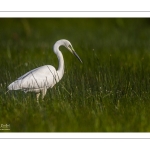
(70, 48)
(77, 55)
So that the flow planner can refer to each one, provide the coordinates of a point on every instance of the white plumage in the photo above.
(40, 79)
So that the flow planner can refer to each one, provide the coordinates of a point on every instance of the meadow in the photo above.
(109, 92)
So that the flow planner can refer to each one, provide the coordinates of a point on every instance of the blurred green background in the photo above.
(108, 92)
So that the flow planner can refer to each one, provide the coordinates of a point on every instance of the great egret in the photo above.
(40, 79)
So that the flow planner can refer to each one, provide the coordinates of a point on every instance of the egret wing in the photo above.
(45, 76)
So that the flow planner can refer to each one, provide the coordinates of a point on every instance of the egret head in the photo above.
(68, 45)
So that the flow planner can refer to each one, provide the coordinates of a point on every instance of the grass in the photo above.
(109, 92)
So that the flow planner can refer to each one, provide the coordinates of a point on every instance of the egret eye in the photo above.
(69, 46)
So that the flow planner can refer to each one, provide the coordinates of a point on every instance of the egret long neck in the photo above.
(60, 70)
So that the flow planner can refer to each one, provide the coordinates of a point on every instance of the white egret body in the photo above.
(40, 79)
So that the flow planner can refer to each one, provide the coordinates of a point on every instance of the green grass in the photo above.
(109, 92)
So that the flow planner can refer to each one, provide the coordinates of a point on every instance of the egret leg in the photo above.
(43, 93)
(37, 96)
